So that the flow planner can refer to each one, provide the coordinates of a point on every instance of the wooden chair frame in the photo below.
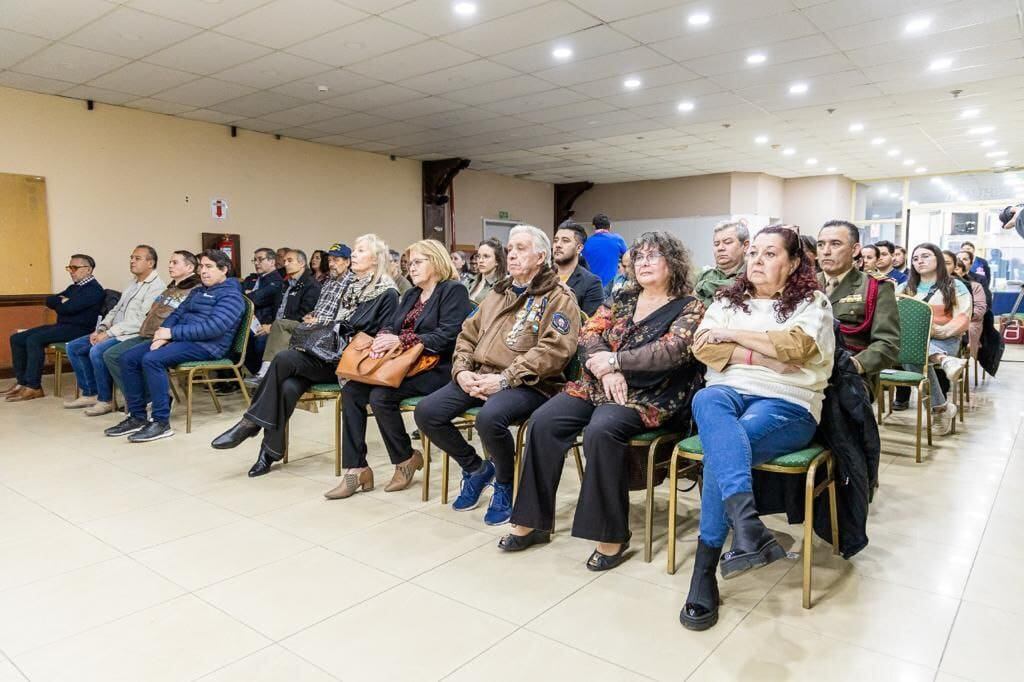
(923, 391)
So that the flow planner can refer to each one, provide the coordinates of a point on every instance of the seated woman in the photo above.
(319, 266)
(768, 343)
(367, 300)
(490, 267)
(952, 305)
(431, 313)
(978, 298)
(638, 375)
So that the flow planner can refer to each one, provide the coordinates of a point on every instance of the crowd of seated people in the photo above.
(579, 336)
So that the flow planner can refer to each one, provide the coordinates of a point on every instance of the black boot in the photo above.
(263, 462)
(234, 436)
(753, 545)
(701, 609)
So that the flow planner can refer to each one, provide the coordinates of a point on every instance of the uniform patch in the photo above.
(561, 323)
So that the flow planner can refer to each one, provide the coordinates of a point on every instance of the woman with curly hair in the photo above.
(638, 374)
(319, 265)
(767, 341)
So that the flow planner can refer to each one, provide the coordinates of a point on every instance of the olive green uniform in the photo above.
(880, 343)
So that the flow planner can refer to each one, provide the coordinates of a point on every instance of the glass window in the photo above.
(879, 200)
(966, 187)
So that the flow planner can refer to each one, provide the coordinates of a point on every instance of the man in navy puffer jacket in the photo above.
(202, 328)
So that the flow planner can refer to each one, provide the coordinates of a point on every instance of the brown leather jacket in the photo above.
(165, 304)
(529, 339)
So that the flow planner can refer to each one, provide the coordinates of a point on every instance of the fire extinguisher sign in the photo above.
(219, 209)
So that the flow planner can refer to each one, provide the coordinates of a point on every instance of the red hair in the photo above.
(800, 285)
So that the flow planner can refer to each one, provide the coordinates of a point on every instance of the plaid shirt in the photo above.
(327, 305)
(85, 281)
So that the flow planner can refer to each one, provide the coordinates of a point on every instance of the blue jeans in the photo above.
(738, 432)
(87, 360)
(144, 369)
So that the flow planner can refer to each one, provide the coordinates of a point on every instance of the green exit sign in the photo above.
(502, 215)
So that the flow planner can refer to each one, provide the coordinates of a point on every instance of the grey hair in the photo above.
(742, 231)
(541, 241)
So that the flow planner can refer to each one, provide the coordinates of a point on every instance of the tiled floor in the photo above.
(165, 562)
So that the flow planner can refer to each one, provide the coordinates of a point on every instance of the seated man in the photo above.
(77, 307)
(865, 306)
(182, 270)
(202, 328)
(899, 259)
(395, 270)
(263, 287)
(278, 338)
(508, 360)
(885, 251)
(731, 241)
(567, 247)
(296, 300)
(121, 323)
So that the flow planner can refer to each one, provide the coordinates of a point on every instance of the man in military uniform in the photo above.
(864, 306)
(731, 240)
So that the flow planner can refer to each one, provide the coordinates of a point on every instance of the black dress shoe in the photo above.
(700, 611)
(753, 545)
(605, 562)
(900, 405)
(517, 543)
(263, 463)
(234, 436)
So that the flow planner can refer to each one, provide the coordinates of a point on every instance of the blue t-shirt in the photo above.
(603, 251)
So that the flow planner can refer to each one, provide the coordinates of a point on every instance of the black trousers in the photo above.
(511, 406)
(290, 375)
(384, 400)
(602, 513)
(28, 349)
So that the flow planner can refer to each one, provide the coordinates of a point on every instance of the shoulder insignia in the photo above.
(561, 323)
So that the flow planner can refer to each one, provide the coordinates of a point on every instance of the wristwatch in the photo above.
(613, 360)
(503, 383)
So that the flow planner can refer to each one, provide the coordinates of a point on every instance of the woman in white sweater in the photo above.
(768, 343)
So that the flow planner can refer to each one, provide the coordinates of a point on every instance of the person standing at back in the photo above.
(604, 249)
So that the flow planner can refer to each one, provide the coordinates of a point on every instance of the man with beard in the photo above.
(566, 248)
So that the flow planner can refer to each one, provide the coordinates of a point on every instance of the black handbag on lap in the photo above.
(319, 340)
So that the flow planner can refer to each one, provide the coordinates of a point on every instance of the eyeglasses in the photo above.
(73, 268)
(652, 257)
(260, 259)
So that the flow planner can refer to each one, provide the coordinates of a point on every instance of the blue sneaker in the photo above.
(472, 485)
(500, 509)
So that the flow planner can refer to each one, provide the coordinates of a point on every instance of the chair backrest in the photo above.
(915, 330)
(242, 335)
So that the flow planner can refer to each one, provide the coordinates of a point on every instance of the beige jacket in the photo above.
(133, 306)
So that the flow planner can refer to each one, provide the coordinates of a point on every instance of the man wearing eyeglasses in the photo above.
(77, 307)
(264, 286)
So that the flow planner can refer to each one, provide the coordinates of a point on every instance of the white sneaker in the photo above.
(952, 367)
(100, 407)
(943, 421)
(80, 402)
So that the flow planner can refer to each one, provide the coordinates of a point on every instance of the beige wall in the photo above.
(479, 195)
(809, 202)
(672, 198)
(117, 176)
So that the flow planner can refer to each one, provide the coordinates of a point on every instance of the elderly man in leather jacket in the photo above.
(509, 359)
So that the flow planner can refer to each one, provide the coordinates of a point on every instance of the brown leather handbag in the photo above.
(389, 370)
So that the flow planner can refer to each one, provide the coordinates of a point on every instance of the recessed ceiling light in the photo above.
(761, 139)
(756, 58)
(798, 88)
(993, 155)
(970, 113)
(831, 169)
(632, 83)
(981, 130)
(908, 162)
(465, 9)
(894, 152)
(322, 88)
(917, 25)
(789, 151)
(1001, 162)
(561, 53)
(856, 127)
(920, 169)
(812, 161)
(878, 140)
(940, 64)
(686, 106)
(988, 143)
(698, 19)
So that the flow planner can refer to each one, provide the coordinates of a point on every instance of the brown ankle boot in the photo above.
(405, 472)
(350, 485)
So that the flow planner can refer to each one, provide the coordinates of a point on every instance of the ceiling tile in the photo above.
(16, 46)
(802, 70)
(159, 107)
(69, 63)
(346, 123)
(777, 53)
(837, 13)
(436, 18)
(947, 43)
(590, 107)
(203, 92)
(257, 104)
(207, 53)
(24, 81)
(97, 94)
(130, 33)
(358, 42)
(373, 98)
(375, 6)
(627, 62)
(338, 82)
(750, 34)
(414, 60)
(209, 115)
(141, 79)
(418, 107)
(461, 117)
(203, 13)
(286, 22)
(50, 18)
(541, 100)
(387, 130)
(458, 77)
(299, 133)
(276, 68)
(534, 25)
(305, 114)
(672, 21)
(655, 81)
(503, 89)
(585, 44)
(257, 125)
(336, 140)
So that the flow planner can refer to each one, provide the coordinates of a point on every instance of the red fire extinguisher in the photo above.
(227, 246)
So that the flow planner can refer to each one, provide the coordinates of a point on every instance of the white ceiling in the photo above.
(414, 79)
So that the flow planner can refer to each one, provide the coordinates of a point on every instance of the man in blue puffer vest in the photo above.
(202, 328)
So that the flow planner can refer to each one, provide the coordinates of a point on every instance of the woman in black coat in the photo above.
(431, 313)
(366, 301)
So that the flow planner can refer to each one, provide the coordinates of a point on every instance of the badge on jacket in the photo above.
(561, 323)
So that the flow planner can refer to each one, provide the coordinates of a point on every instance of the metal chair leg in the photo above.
(673, 500)
(58, 373)
(241, 386)
(286, 443)
(213, 393)
(518, 458)
(444, 478)
(917, 444)
(426, 467)
(337, 436)
(649, 508)
(833, 509)
(188, 401)
(579, 462)
(808, 547)
(928, 404)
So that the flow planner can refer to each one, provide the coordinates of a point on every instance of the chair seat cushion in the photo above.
(899, 376)
(472, 412)
(62, 346)
(796, 460)
(221, 362)
(648, 436)
(410, 403)
(332, 387)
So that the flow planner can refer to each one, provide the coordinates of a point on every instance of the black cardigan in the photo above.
(441, 320)
(370, 316)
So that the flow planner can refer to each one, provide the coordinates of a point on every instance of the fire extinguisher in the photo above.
(227, 246)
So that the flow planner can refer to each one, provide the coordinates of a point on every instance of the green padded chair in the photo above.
(915, 335)
(802, 462)
(198, 371)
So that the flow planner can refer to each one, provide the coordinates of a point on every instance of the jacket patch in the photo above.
(561, 323)
(853, 298)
